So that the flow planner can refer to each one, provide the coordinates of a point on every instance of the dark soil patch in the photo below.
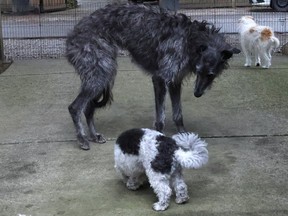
(4, 66)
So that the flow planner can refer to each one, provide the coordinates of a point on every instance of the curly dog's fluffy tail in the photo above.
(192, 152)
(275, 43)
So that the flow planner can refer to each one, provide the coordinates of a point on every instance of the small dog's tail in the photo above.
(275, 43)
(192, 152)
(268, 36)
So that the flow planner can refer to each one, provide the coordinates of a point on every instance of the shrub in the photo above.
(72, 3)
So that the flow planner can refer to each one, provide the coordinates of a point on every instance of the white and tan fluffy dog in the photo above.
(144, 153)
(258, 40)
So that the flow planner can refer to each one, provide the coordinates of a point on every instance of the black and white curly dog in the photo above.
(142, 153)
(167, 47)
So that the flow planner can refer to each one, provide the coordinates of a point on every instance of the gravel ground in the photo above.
(38, 48)
(4, 66)
(55, 48)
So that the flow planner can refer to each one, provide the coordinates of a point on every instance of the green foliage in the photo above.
(72, 3)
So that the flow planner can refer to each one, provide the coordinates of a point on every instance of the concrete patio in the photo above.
(244, 119)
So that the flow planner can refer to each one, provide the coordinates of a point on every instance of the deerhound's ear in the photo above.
(201, 48)
(227, 54)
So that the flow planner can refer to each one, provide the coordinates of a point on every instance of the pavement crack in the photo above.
(245, 136)
(113, 139)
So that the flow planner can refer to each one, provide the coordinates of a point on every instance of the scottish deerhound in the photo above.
(168, 47)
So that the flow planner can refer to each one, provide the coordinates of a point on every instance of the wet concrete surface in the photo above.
(244, 119)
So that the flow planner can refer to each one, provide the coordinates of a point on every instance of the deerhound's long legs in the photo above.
(175, 95)
(76, 108)
(160, 93)
(89, 113)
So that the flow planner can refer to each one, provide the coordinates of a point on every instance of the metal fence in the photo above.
(34, 34)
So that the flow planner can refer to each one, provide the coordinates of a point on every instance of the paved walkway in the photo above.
(244, 118)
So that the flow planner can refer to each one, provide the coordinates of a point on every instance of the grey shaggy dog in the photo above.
(167, 47)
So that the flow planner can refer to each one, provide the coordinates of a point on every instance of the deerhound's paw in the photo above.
(98, 138)
(181, 199)
(160, 206)
(84, 144)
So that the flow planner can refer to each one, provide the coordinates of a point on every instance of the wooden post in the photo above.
(233, 3)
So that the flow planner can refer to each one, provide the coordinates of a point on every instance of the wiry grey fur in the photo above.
(168, 47)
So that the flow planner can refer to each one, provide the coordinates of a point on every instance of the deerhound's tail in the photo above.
(192, 152)
(106, 98)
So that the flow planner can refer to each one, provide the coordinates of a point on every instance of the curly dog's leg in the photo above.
(180, 188)
(161, 186)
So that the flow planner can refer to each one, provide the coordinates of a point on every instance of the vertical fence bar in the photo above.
(2, 58)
